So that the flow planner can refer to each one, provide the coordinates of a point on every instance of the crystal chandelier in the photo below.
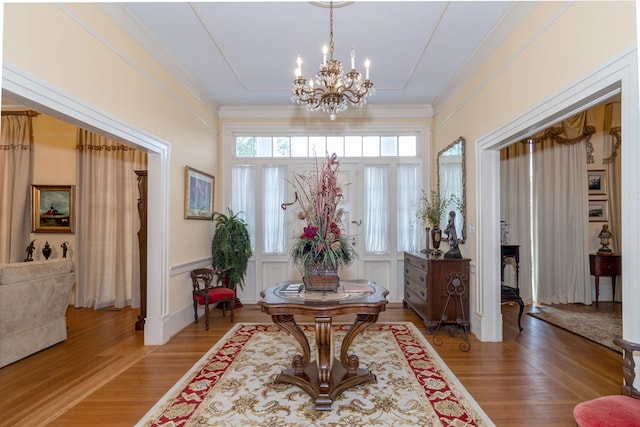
(330, 90)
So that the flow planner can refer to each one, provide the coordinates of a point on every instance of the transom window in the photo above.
(310, 146)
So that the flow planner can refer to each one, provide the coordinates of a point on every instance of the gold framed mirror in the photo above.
(452, 181)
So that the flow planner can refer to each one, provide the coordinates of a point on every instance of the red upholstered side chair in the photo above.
(621, 410)
(205, 292)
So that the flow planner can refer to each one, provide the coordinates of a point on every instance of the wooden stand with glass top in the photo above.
(325, 378)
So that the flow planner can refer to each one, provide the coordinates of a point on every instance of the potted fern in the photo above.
(230, 248)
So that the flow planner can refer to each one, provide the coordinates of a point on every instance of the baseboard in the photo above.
(178, 320)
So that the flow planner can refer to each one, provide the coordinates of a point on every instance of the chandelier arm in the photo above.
(310, 92)
(316, 98)
(349, 85)
(352, 96)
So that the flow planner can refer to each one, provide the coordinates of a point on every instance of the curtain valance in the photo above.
(575, 129)
(88, 141)
(612, 125)
(17, 133)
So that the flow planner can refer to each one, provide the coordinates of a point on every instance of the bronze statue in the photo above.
(450, 232)
(30, 250)
(65, 248)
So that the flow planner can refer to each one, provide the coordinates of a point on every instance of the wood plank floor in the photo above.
(103, 375)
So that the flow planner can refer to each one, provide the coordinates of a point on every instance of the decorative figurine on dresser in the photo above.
(425, 289)
(452, 236)
(605, 263)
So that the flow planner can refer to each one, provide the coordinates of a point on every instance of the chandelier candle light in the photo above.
(334, 91)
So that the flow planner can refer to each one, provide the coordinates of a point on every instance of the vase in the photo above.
(436, 237)
(321, 280)
(46, 251)
(427, 248)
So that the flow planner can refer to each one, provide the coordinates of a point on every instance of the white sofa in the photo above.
(33, 302)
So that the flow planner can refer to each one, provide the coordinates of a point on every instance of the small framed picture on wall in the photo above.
(598, 211)
(597, 183)
(198, 194)
(52, 209)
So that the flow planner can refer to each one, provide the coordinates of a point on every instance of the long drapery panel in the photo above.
(560, 224)
(612, 160)
(108, 221)
(515, 202)
(544, 198)
(16, 143)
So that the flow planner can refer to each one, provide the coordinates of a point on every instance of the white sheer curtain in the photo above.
(408, 196)
(273, 216)
(243, 197)
(544, 198)
(612, 157)
(561, 223)
(612, 160)
(376, 209)
(515, 209)
(108, 222)
(15, 173)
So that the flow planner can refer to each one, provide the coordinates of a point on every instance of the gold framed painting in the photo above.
(52, 208)
(198, 194)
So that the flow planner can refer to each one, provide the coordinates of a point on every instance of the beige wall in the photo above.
(54, 163)
(78, 51)
(556, 45)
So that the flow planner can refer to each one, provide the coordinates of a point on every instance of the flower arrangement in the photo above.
(433, 207)
(322, 246)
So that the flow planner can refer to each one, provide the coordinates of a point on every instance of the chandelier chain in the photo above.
(331, 30)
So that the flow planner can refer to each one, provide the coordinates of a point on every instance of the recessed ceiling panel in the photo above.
(244, 53)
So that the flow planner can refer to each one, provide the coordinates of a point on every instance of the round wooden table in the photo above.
(327, 377)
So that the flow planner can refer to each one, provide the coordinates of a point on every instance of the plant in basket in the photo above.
(322, 246)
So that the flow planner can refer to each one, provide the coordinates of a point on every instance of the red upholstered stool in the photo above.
(608, 411)
(205, 294)
(618, 410)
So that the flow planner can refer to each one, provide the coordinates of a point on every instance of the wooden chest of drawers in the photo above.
(425, 288)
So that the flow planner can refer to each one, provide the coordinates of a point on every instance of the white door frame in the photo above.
(620, 74)
(47, 99)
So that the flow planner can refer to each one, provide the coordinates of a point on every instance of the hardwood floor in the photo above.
(103, 375)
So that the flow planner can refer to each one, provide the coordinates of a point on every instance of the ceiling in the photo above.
(243, 53)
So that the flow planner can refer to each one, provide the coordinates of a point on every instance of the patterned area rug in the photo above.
(597, 326)
(232, 385)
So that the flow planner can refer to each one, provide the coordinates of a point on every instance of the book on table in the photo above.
(292, 288)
